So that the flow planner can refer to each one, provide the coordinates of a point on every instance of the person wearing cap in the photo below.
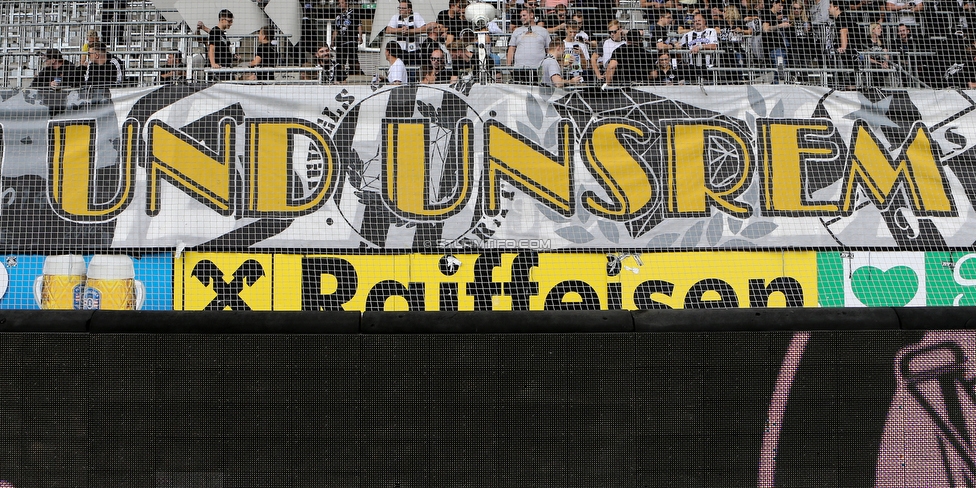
(103, 69)
(56, 73)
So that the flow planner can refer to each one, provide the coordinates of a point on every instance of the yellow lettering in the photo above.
(706, 163)
(408, 182)
(202, 173)
(619, 173)
(72, 178)
(529, 167)
(916, 167)
(271, 167)
(786, 147)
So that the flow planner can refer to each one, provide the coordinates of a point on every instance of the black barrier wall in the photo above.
(235, 400)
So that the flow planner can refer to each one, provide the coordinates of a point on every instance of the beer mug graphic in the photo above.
(61, 284)
(111, 284)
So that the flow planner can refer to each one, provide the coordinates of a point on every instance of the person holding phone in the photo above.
(576, 54)
(57, 73)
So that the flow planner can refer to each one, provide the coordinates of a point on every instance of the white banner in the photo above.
(487, 166)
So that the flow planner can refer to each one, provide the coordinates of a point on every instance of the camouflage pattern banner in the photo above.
(433, 167)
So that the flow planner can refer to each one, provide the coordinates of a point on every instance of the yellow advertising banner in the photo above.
(496, 281)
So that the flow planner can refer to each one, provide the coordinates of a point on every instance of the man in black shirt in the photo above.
(453, 19)
(913, 65)
(555, 21)
(633, 63)
(436, 41)
(103, 69)
(56, 73)
(331, 71)
(841, 45)
(777, 32)
(113, 21)
(347, 35)
(659, 33)
(666, 73)
(266, 54)
(218, 47)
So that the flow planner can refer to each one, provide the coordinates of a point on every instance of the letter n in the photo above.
(203, 173)
(529, 167)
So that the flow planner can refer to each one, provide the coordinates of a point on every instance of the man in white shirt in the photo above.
(407, 26)
(906, 10)
(700, 38)
(601, 63)
(397, 74)
(528, 44)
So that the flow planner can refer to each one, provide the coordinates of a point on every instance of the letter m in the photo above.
(916, 169)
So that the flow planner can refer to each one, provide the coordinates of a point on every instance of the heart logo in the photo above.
(893, 288)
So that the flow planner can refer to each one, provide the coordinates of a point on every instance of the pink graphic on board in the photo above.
(929, 432)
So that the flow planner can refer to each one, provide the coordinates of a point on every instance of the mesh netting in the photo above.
(787, 163)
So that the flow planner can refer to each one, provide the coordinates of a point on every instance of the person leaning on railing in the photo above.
(659, 33)
(700, 42)
(219, 53)
(265, 56)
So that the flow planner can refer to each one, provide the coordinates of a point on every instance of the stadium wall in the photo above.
(774, 397)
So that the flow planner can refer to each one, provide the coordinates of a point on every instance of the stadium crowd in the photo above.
(844, 44)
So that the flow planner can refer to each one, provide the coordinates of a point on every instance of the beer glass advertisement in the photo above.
(87, 282)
